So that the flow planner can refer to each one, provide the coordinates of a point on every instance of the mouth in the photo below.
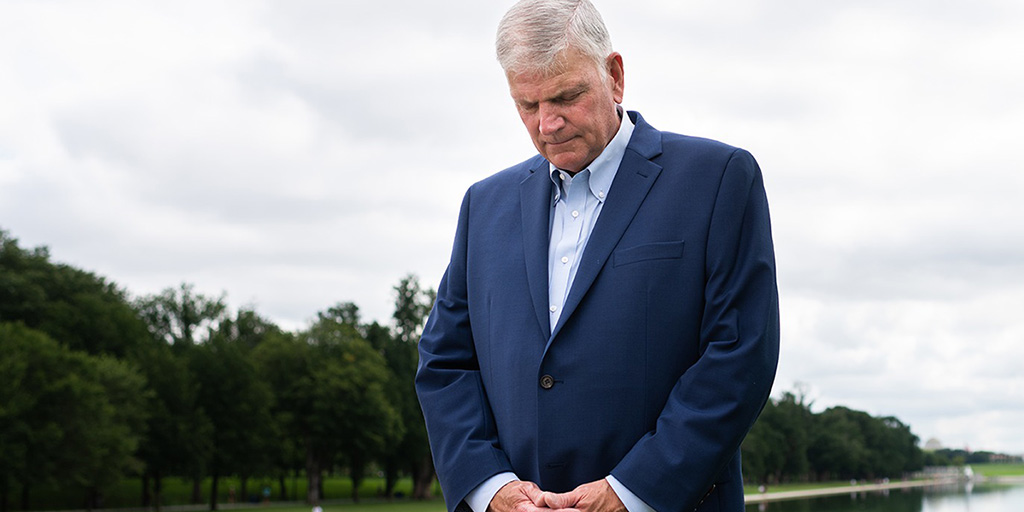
(562, 143)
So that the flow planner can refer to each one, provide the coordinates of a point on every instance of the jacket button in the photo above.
(547, 382)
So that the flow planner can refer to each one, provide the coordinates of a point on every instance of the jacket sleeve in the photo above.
(460, 424)
(715, 402)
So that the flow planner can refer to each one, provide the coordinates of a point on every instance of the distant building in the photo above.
(932, 445)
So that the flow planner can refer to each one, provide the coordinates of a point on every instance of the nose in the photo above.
(551, 120)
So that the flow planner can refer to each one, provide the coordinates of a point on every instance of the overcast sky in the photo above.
(299, 154)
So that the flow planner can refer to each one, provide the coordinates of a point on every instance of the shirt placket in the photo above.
(570, 220)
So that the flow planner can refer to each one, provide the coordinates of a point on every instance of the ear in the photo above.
(613, 64)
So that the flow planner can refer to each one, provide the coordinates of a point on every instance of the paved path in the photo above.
(832, 491)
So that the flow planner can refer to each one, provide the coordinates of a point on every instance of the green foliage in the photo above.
(119, 420)
(959, 457)
(234, 398)
(349, 397)
(330, 392)
(66, 415)
(790, 443)
(412, 454)
(777, 444)
(177, 386)
(75, 307)
(180, 316)
(179, 433)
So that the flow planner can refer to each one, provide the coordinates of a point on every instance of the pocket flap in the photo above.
(654, 251)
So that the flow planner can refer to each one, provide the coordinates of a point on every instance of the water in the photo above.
(979, 498)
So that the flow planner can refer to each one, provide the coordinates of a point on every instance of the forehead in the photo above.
(539, 85)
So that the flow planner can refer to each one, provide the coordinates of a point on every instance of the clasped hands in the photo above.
(519, 496)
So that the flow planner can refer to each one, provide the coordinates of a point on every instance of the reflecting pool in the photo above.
(957, 498)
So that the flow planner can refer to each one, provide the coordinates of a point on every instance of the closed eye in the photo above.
(526, 107)
(570, 96)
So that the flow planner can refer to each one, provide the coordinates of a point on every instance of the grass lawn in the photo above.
(398, 506)
(177, 491)
(998, 469)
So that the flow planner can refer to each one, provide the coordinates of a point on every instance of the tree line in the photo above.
(97, 386)
(790, 443)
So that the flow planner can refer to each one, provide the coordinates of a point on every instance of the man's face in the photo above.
(570, 114)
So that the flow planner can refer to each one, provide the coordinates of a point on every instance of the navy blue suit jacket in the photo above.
(665, 350)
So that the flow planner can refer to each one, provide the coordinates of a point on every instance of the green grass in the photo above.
(398, 506)
(995, 469)
(178, 491)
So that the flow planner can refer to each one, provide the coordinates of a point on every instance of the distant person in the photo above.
(607, 330)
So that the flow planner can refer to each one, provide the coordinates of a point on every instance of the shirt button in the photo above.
(575, 213)
(561, 175)
(600, 194)
(565, 259)
(553, 308)
(547, 382)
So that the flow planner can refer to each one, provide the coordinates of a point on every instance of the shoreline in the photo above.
(857, 489)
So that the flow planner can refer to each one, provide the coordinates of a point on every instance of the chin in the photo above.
(565, 162)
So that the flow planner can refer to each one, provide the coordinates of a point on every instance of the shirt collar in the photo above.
(604, 167)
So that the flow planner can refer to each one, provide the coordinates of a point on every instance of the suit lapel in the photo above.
(636, 174)
(535, 201)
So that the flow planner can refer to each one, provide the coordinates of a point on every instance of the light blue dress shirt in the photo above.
(576, 202)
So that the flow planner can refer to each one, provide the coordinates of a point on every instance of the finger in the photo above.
(535, 494)
(526, 506)
(560, 501)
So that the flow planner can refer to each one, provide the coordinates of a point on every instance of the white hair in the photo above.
(535, 35)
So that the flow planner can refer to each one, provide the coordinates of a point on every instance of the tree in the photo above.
(235, 398)
(67, 416)
(180, 316)
(29, 423)
(412, 453)
(110, 441)
(286, 364)
(789, 442)
(247, 331)
(77, 308)
(792, 419)
(282, 362)
(351, 394)
(329, 385)
(763, 458)
(839, 449)
(178, 433)
(893, 448)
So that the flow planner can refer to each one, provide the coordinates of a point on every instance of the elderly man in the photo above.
(607, 329)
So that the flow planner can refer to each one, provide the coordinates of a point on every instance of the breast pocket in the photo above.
(646, 252)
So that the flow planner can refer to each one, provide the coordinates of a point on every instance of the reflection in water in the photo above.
(979, 498)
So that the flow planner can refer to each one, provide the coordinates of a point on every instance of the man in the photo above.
(607, 329)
